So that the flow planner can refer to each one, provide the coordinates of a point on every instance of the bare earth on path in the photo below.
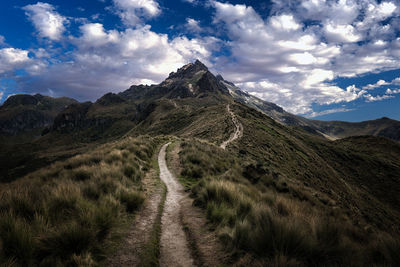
(140, 231)
(238, 131)
(175, 250)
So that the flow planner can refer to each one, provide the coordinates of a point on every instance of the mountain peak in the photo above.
(193, 79)
(199, 64)
(188, 70)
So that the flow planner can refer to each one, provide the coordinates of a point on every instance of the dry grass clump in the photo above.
(71, 213)
(224, 202)
(200, 160)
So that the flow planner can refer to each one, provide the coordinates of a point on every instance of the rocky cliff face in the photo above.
(25, 113)
(95, 118)
(73, 117)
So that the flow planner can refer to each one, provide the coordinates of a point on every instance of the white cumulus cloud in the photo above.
(112, 60)
(284, 22)
(375, 85)
(341, 33)
(392, 91)
(133, 12)
(12, 58)
(193, 25)
(286, 61)
(371, 98)
(381, 83)
(46, 20)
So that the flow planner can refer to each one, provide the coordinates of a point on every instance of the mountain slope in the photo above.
(285, 197)
(383, 127)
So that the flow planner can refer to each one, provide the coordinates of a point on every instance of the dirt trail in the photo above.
(174, 245)
(203, 241)
(140, 231)
(238, 131)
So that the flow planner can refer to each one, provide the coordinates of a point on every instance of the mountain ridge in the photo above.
(191, 80)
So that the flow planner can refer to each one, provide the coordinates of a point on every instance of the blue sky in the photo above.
(323, 59)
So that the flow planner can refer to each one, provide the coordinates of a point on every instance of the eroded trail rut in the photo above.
(238, 131)
(175, 250)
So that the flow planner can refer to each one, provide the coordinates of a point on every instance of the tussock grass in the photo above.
(263, 218)
(72, 212)
(17, 240)
(195, 157)
(132, 200)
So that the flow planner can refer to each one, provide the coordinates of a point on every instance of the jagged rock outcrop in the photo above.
(73, 117)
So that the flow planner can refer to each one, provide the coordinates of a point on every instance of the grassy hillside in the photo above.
(72, 212)
(282, 197)
(344, 173)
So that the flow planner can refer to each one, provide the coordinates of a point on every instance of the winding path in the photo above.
(175, 250)
(238, 131)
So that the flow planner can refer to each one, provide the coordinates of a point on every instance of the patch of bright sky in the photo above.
(359, 110)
